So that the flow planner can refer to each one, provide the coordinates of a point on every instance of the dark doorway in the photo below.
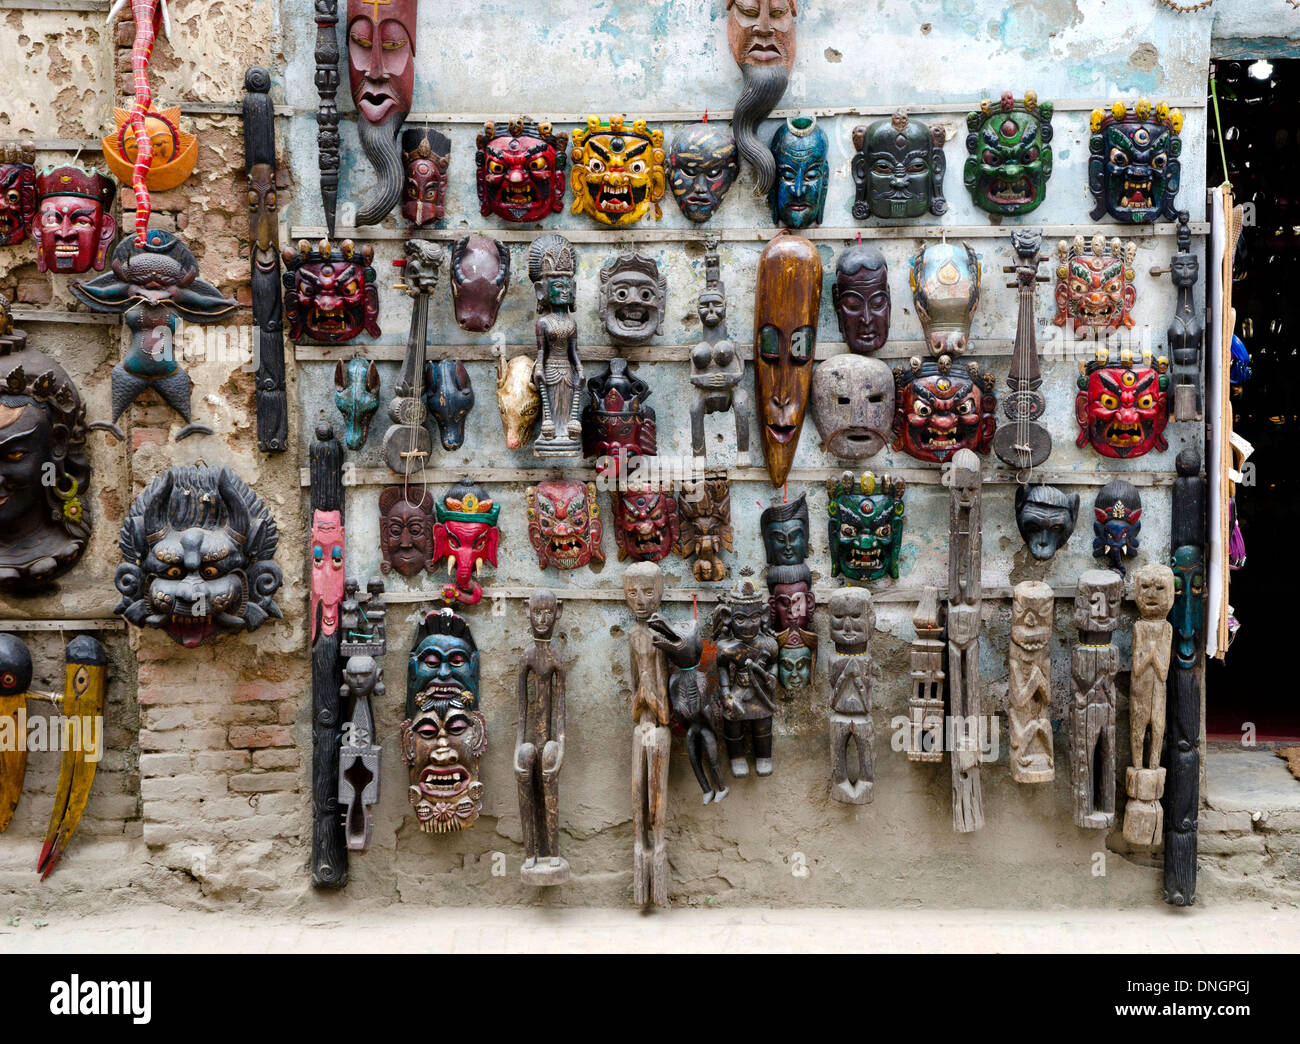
(1259, 104)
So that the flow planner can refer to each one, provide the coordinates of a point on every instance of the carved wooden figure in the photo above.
(1029, 684)
(1187, 541)
(706, 527)
(557, 373)
(408, 442)
(1024, 443)
(1186, 333)
(965, 595)
(327, 113)
(643, 587)
(925, 705)
(761, 36)
(363, 641)
(1093, 665)
(747, 681)
(693, 707)
(264, 254)
(852, 623)
(717, 368)
(1144, 780)
(539, 746)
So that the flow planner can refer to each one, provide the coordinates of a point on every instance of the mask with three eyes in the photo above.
(632, 298)
(898, 169)
(1010, 154)
(330, 296)
(945, 281)
(425, 155)
(17, 193)
(941, 407)
(73, 228)
(1133, 166)
(520, 170)
(1094, 285)
(1122, 406)
(865, 525)
(618, 171)
(703, 164)
(798, 197)
(564, 524)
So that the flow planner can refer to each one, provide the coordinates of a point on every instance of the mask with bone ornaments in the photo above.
(466, 536)
(356, 394)
(73, 228)
(444, 735)
(1122, 406)
(197, 556)
(425, 154)
(330, 296)
(865, 525)
(898, 169)
(941, 407)
(1133, 165)
(798, 197)
(616, 422)
(564, 524)
(1118, 510)
(618, 171)
(632, 298)
(520, 170)
(1010, 154)
(646, 524)
(480, 277)
(328, 571)
(406, 530)
(1094, 285)
(945, 281)
(703, 164)
(17, 193)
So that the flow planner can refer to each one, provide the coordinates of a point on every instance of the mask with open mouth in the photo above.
(787, 298)
(73, 228)
(1133, 167)
(865, 527)
(945, 281)
(632, 298)
(853, 405)
(618, 171)
(520, 170)
(17, 193)
(330, 296)
(1123, 406)
(1118, 510)
(444, 734)
(328, 571)
(616, 423)
(798, 197)
(466, 536)
(646, 524)
(898, 169)
(197, 556)
(1094, 285)
(425, 154)
(760, 34)
(564, 524)
(706, 532)
(1010, 154)
(702, 166)
(941, 407)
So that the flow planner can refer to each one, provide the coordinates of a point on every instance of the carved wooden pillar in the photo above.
(1153, 591)
(964, 604)
(853, 621)
(925, 707)
(1029, 691)
(1093, 664)
(327, 113)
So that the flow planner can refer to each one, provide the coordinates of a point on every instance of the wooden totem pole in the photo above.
(925, 706)
(964, 604)
(1144, 780)
(853, 621)
(1092, 712)
(1029, 692)
(327, 112)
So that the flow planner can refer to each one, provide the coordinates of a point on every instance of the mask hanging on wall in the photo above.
(941, 407)
(945, 280)
(1010, 146)
(865, 528)
(632, 298)
(760, 34)
(520, 170)
(616, 423)
(898, 169)
(330, 296)
(703, 163)
(166, 583)
(1123, 407)
(466, 536)
(853, 405)
(73, 227)
(1045, 517)
(480, 277)
(356, 394)
(425, 156)
(1118, 509)
(564, 524)
(646, 524)
(618, 171)
(861, 297)
(1133, 166)
(406, 530)
(448, 396)
(328, 571)
(1094, 285)
(517, 398)
(17, 193)
(798, 197)
(706, 527)
(173, 152)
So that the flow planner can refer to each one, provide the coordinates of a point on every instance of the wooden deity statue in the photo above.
(964, 603)
(925, 705)
(692, 707)
(1093, 665)
(706, 526)
(1144, 780)
(539, 746)
(717, 369)
(1186, 333)
(643, 587)
(853, 620)
(747, 655)
(557, 374)
(1029, 691)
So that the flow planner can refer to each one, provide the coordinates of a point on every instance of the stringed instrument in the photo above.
(408, 442)
(1024, 444)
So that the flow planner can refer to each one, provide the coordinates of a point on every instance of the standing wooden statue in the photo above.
(853, 620)
(1144, 780)
(557, 374)
(363, 625)
(964, 604)
(643, 588)
(1092, 714)
(1029, 692)
(925, 706)
(747, 653)
(539, 746)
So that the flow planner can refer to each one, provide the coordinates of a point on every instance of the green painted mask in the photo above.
(865, 530)
(1010, 154)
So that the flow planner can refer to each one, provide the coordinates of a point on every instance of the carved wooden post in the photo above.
(964, 603)
(853, 621)
(925, 707)
(1187, 537)
(1144, 780)
(364, 641)
(327, 113)
(1093, 664)
(329, 857)
(1186, 333)
(1029, 691)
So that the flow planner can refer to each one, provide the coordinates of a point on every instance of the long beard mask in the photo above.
(764, 86)
(381, 144)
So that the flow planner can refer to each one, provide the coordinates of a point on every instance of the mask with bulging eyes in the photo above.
(853, 405)
(1133, 166)
(632, 298)
(426, 154)
(898, 169)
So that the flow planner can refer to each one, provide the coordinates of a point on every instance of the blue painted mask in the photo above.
(443, 668)
(1118, 511)
(449, 397)
(798, 198)
(356, 394)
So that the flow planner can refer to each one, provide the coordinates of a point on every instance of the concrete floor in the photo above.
(1245, 927)
(1250, 781)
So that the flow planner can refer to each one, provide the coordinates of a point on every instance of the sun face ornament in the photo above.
(618, 171)
(1010, 146)
(1122, 406)
(1133, 166)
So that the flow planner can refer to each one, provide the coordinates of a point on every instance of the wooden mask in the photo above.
(425, 155)
(706, 527)
(945, 280)
(632, 298)
(564, 524)
(798, 196)
(173, 152)
(356, 394)
(1123, 406)
(865, 527)
(1118, 511)
(702, 166)
(17, 193)
(466, 536)
(406, 530)
(330, 296)
(480, 277)
(616, 423)
(787, 298)
(1045, 517)
(760, 34)
(328, 571)
(861, 298)
(645, 523)
(520, 170)
(618, 171)
(73, 228)
(898, 169)
(853, 405)
(1133, 166)
(941, 407)
(1010, 146)
(1094, 284)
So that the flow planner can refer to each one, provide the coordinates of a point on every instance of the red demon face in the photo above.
(645, 525)
(330, 297)
(1123, 407)
(564, 524)
(942, 407)
(1094, 284)
(521, 171)
(17, 201)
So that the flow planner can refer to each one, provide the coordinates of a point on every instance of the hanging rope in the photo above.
(1218, 128)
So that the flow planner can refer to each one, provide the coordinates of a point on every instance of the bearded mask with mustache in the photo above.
(381, 72)
(760, 34)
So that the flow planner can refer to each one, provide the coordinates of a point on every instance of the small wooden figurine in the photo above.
(747, 654)
(1144, 780)
(717, 368)
(1093, 665)
(852, 623)
(706, 527)
(964, 605)
(693, 707)
(557, 374)
(1186, 333)
(1029, 685)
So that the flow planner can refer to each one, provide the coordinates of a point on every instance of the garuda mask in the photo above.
(865, 529)
(17, 193)
(480, 277)
(356, 394)
(1045, 517)
(564, 524)
(330, 296)
(1094, 284)
(521, 170)
(73, 228)
(406, 530)
(197, 556)
(787, 298)
(941, 407)
(445, 734)
(898, 169)
(425, 153)
(853, 405)
(798, 196)
(1133, 167)
(1118, 510)
(466, 536)
(861, 297)
(646, 524)
(618, 172)
(946, 290)
(706, 528)
(703, 164)
(1010, 154)
(617, 423)
(632, 298)
(1122, 407)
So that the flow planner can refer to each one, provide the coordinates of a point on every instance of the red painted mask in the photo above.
(381, 56)
(426, 154)
(466, 536)
(645, 524)
(327, 571)
(330, 296)
(616, 423)
(17, 194)
(73, 228)
(521, 170)
(564, 524)
(941, 407)
(1122, 407)
(1094, 284)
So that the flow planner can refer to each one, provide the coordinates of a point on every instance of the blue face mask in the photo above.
(798, 197)
(356, 394)
(443, 667)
